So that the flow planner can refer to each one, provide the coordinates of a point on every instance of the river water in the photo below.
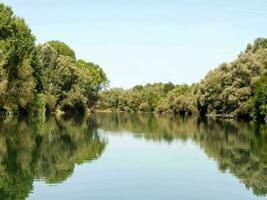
(132, 156)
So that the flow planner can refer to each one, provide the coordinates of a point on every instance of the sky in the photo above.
(146, 41)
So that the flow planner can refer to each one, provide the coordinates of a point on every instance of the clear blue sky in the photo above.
(142, 41)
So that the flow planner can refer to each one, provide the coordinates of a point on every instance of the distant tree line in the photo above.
(47, 77)
(237, 89)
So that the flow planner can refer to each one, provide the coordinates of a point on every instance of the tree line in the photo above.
(35, 79)
(236, 89)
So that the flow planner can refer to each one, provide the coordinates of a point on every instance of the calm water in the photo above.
(132, 156)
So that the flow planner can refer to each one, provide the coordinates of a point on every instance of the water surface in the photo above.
(132, 156)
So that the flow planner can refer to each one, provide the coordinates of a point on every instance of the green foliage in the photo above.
(180, 100)
(227, 90)
(231, 90)
(95, 78)
(158, 97)
(16, 59)
(68, 84)
(259, 43)
(48, 74)
(46, 57)
(62, 48)
(259, 101)
(38, 105)
(138, 99)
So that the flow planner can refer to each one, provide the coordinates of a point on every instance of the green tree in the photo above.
(16, 58)
(259, 101)
(62, 48)
(227, 89)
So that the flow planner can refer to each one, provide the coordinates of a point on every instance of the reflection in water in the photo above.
(46, 150)
(49, 149)
(240, 148)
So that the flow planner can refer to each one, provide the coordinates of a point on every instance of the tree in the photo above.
(227, 90)
(62, 48)
(95, 78)
(259, 101)
(68, 84)
(16, 58)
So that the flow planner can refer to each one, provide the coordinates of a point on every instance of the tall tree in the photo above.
(16, 58)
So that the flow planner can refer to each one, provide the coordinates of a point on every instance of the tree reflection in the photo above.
(46, 150)
(239, 148)
(49, 149)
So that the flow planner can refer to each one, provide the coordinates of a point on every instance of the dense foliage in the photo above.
(140, 98)
(47, 77)
(259, 100)
(62, 48)
(67, 83)
(236, 89)
(16, 61)
(229, 89)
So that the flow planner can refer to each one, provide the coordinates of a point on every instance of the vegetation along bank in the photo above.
(237, 89)
(45, 78)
